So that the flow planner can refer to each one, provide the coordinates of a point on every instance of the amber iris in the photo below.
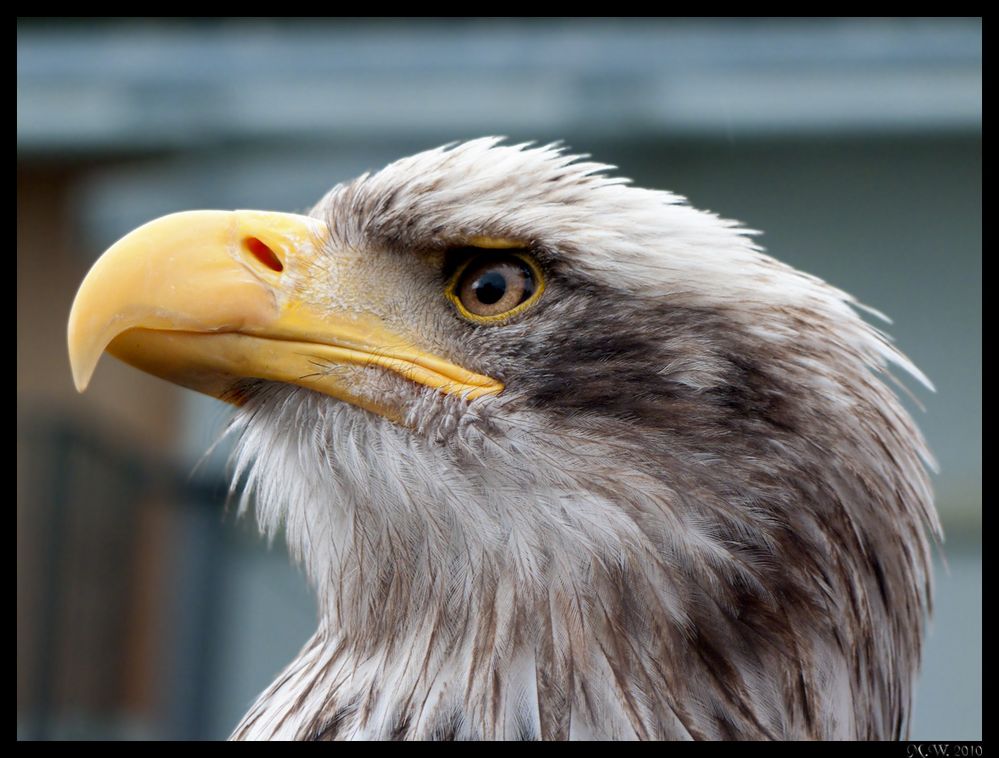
(492, 286)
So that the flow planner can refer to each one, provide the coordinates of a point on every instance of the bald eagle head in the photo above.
(561, 457)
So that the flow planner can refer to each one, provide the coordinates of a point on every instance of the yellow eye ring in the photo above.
(494, 286)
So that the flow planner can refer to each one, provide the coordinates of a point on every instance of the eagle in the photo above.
(561, 457)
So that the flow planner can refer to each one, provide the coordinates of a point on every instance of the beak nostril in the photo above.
(262, 253)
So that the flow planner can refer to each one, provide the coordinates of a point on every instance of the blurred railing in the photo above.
(98, 531)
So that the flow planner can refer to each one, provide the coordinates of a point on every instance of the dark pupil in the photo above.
(490, 287)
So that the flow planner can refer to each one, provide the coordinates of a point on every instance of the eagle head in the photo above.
(562, 458)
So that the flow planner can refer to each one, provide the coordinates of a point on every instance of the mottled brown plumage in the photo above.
(696, 510)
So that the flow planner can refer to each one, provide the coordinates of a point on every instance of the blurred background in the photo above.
(145, 609)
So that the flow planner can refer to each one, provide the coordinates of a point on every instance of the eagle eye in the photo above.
(494, 286)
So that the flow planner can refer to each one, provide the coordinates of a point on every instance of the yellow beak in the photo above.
(205, 298)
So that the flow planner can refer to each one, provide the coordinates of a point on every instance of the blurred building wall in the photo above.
(85, 537)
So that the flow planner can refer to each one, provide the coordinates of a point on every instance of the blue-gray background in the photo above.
(144, 608)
